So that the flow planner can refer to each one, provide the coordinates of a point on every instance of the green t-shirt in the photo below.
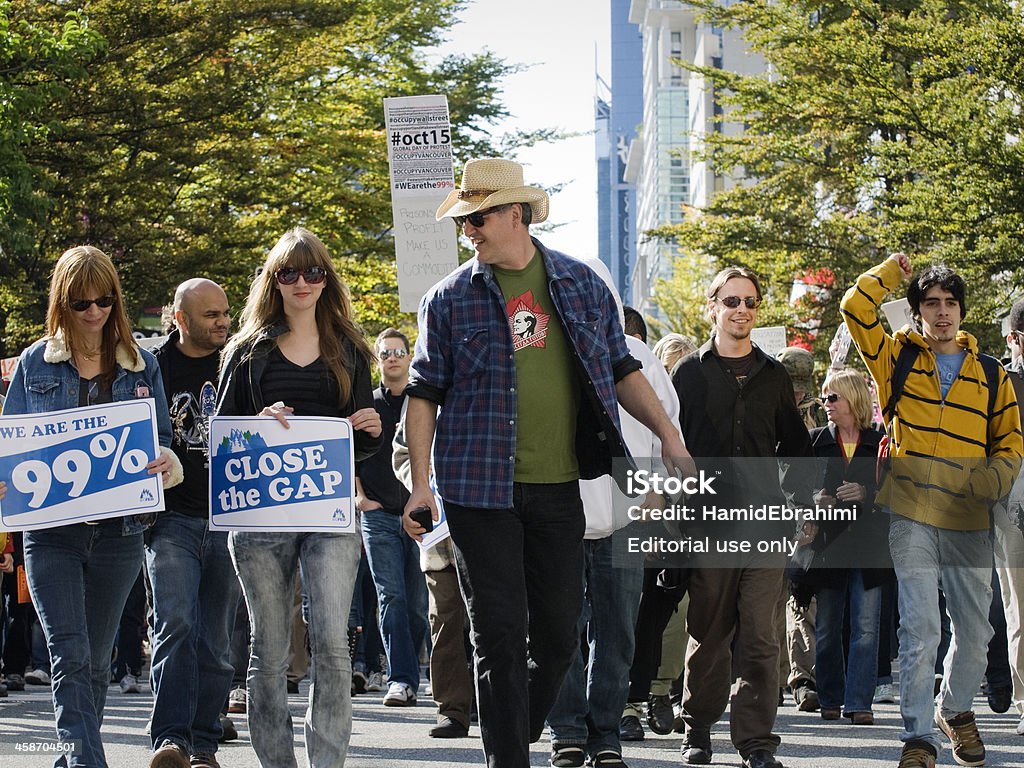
(548, 389)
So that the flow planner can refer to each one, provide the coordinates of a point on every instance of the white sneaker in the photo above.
(400, 695)
(375, 682)
(37, 677)
(1020, 726)
(130, 684)
(885, 694)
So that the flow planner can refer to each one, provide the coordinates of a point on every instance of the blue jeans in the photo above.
(79, 577)
(926, 558)
(328, 562)
(521, 572)
(588, 709)
(195, 593)
(848, 682)
(394, 561)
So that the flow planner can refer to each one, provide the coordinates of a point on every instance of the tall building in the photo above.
(618, 112)
(679, 110)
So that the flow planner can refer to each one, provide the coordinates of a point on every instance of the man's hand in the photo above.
(678, 460)
(420, 497)
(904, 261)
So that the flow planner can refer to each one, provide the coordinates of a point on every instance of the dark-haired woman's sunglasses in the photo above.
(80, 305)
(290, 275)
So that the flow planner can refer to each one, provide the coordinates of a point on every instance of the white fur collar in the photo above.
(57, 351)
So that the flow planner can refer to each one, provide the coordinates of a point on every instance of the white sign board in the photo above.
(771, 340)
(897, 314)
(420, 158)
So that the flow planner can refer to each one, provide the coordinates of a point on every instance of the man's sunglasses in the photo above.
(477, 217)
(387, 353)
(751, 302)
(290, 275)
(831, 397)
(80, 305)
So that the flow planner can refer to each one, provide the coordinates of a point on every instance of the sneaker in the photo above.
(1020, 726)
(571, 756)
(608, 758)
(805, 696)
(15, 683)
(204, 760)
(885, 694)
(375, 682)
(170, 755)
(659, 714)
(228, 730)
(130, 684)
(962, 731)
(358, 682)
(917, 754)
(38, 677)
(237, 701)
(400, 695)
(696, 747)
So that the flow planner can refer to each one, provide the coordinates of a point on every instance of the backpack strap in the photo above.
(991, 367)
(900, 373)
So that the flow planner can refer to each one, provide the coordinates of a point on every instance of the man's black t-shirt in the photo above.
(376, 473)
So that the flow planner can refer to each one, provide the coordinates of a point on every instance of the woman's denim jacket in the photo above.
(46, 379)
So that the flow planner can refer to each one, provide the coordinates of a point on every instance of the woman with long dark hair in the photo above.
(298, 351)
(79, 575)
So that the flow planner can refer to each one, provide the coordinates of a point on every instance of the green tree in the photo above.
(879, 125)
(200, 131)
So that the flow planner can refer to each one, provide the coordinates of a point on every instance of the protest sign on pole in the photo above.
(898, 314)
(771, 340)
(82, 464)
(420, 159)
(265, 477)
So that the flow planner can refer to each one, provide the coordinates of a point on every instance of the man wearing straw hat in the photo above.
(522, 349)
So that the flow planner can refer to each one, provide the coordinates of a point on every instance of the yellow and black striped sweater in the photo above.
(950, 460)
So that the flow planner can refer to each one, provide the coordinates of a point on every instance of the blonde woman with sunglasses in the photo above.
(299, 352)
(80, 574)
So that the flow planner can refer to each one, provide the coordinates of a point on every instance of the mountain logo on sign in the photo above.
(146, 495)
(339, 517)
(239, 441)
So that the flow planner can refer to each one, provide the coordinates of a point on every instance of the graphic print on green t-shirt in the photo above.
(547, 385)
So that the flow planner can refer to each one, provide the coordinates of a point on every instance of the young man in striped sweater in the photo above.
(956, 446)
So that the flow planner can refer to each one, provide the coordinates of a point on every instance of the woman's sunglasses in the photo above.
(477, 217)
(831, 397)
(290, 275)
(80, 305)
(752, 302)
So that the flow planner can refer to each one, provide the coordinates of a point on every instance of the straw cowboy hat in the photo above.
(489, 182)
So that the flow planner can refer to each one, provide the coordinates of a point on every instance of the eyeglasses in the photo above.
(831, 397)
(751, 302)
(290, 275)
(388, 353)
(80, 305)
(477, 217)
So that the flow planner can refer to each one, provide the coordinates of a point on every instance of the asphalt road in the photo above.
(386, 737)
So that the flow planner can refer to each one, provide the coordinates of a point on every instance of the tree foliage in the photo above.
(880, 125)
(193, 134)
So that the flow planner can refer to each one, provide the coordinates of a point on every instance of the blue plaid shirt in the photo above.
(464, 362)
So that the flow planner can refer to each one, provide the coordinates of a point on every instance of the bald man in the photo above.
(195, 591)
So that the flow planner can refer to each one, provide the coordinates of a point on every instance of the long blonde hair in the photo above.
(85, 272)
(264, 307)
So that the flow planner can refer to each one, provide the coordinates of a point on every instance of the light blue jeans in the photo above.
(960, 562)
(842, 680)
(195, 596)
(328, 562)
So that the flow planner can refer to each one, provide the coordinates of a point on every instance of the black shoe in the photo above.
(805, 696)
(447, 728)
(761, 758)
(696, 747)
(659, 714)
(630, 729)
(999, 699)
(229, 732)
(293, 687)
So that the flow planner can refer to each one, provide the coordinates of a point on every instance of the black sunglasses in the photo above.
(732, 302)
(290, 275)
(80, 305)
(477, 217)
(399, 353)
(831, 397)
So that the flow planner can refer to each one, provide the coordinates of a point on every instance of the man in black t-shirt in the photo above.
(195, 590)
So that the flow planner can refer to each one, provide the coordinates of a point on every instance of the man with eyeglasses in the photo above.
(194, 588)
(392, 556)
(955, 448)
(526, 410)
(735, 402)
